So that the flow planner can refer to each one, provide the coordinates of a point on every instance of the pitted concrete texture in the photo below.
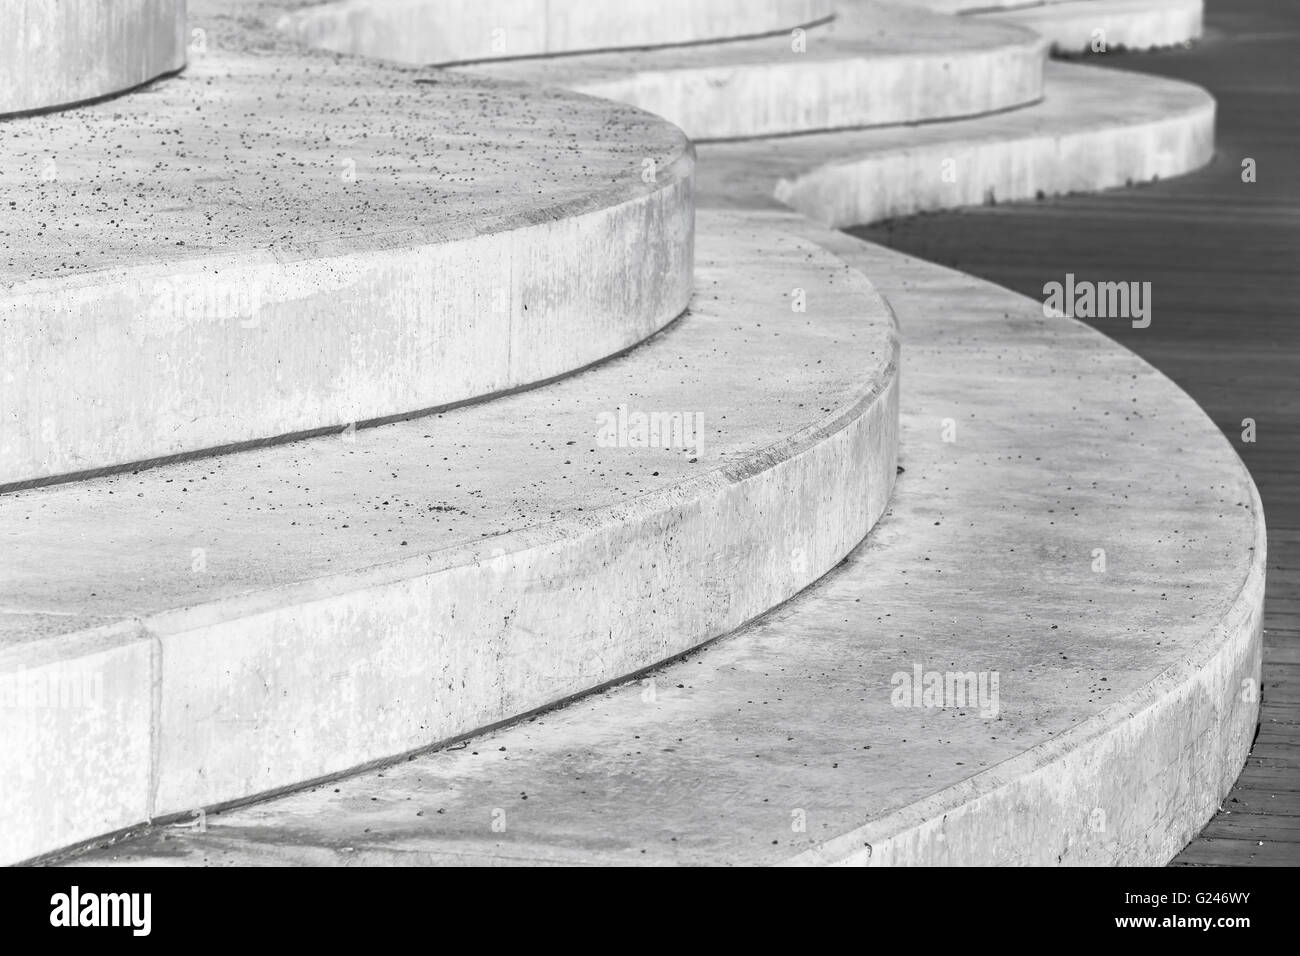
(1121, 713)
(453, 31)
(304, 609)
(56, 53)
(1095, 129)
(1102, 26)
(874, 64)
(278, 241)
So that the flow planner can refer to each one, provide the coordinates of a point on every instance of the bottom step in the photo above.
(1070, 530)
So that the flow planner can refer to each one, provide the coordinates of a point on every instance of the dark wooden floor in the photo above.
(1223, 257)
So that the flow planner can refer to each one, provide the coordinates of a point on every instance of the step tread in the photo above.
(842, 77)
(454, 31)
(446, 159)
(862, 29)
(1065, 442)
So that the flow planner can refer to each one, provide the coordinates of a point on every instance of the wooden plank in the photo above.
(1206, 852)
(1263, 801)
(1232, 826)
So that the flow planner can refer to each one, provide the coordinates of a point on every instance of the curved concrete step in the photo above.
(455, 31)
(56, 54)
(283, 614)
(1095, 129)
(1078, 26)
(1121, 713)
(211, 273)
(976, 6)
(875, 64)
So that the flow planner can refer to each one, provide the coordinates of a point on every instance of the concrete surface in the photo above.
(304, 609)
(56, 53)
(1221, 255)
(874, 64)
(953, 7)
(1030, 446)
(187, 270)
(1094, 129)
(1121, 717)
(452, 31)
(1078, 26)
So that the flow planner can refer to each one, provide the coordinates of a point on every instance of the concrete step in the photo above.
(225, 628)
(953, 7)
(1080, 25)
(454, 31)
(57, 54)
(1121, 711)
(875, 64)
(210, 274)
(1095, 129)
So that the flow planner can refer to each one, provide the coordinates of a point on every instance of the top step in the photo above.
(460, 31)
(56, 54)
(279, 242)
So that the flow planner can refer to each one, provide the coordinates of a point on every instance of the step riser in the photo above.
(794, 97)
(56, 54)
(419, 32)
(100, 373)
(247, 697)
(904, 182)
(1190, 737)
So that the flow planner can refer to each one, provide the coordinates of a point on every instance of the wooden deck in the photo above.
(1223, 257)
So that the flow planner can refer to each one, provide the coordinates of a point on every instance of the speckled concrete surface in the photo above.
(1077, 26)
(1120, 722)
(874, 64)
(53, 54)
(448, 31)
(1095, 129)
(198, 265)
(1029, 444)
(451, 572)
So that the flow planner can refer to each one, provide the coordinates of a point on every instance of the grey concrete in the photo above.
(449, 31)
(1095, 129)
(1079, 26)
(277, 242)
(56, 53)
(305, 609)
(1123, 715)
(1031, 446)
(874, 64)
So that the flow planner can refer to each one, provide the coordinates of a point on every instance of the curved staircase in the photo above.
(758, 478)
